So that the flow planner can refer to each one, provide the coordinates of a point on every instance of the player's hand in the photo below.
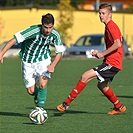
(50, 68)
(94, 52)
(99, 55)
(1, 57)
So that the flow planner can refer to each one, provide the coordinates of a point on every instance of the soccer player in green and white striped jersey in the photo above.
(35, 53)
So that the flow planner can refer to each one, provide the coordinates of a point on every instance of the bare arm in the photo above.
(6, 47)
(51, 67)
(115, 46)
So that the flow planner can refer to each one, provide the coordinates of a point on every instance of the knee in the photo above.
(84, 78)
(43, 82)
(102, 87)
(30, 91)
(43, 85)
(88, 75)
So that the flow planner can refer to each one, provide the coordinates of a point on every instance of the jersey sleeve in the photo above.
(59, 47)
(26, 34)
(115, 32)
(19, 37)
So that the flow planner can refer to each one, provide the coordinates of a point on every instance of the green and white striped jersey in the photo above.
(35, 47)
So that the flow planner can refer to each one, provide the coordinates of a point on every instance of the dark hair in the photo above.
(47, 19)
(106, 5)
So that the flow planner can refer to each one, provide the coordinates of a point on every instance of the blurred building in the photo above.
(117, 5)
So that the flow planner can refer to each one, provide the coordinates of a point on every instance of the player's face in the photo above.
(47, 29)
(105, 15)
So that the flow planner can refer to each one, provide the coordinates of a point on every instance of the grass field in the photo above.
(87, 114)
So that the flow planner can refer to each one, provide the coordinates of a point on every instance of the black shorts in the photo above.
(105, 72)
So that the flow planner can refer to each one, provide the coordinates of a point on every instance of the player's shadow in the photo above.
(57, 113)
(76, 112)
(68, 112)
(124, 96)
(12, 114)
(16, 114)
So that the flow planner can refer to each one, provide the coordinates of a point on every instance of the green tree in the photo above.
(129, 9)
(65, 20)
(51, 3)
(75, 3)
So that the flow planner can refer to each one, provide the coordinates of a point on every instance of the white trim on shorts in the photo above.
(100, 78)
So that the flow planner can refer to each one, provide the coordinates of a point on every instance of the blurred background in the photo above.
(73, 18)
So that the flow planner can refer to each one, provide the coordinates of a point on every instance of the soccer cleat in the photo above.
(62, 107)
(116, 111)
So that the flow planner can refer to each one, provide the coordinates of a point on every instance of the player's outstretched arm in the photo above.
(6, 47)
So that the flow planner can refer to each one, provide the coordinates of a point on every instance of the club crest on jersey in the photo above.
(26, 82)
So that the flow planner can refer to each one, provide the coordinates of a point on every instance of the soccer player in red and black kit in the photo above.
(111, 65)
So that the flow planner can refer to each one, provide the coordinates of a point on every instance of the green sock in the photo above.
(41, 97)
(36, 91)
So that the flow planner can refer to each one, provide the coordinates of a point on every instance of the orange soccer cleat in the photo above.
(62, 107)
(116, 111)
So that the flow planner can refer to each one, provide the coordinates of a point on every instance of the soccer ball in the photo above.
(38, 115)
